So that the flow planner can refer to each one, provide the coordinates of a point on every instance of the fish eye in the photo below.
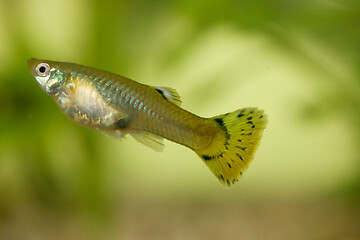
(42, 69)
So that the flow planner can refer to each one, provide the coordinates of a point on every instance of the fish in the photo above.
(119, 106)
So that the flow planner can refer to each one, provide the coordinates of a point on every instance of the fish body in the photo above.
(118, 106)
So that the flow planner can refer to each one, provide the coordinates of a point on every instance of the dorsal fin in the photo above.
(169, 94)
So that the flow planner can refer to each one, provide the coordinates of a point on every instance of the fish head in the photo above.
(48, 75)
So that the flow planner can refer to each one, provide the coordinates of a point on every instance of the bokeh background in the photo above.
(298, 60)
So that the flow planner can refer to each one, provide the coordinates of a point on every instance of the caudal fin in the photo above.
(232, 149)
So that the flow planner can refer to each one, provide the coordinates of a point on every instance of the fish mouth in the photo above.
(32, 63)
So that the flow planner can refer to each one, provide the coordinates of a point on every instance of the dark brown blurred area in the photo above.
(325, 219)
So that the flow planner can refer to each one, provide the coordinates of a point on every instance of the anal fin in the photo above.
(153, 141)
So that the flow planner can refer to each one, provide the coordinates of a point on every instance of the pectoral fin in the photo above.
(118, 127)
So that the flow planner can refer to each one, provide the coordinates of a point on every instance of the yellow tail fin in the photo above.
(232, 149)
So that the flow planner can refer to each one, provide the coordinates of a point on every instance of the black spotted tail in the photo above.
(233, 148)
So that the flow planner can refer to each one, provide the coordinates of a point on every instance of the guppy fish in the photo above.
(118, 106)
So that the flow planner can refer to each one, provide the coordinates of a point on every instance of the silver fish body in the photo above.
(118, 106)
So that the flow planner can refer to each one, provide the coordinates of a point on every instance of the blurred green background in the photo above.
(298, 60)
